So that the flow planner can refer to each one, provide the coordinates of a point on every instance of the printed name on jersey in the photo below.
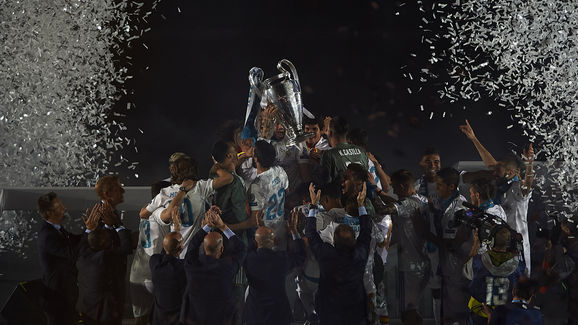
(349, 152)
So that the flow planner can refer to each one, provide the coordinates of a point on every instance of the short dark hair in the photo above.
(339, 126)
(46, 203)
(158, 186)
(357, 171)
(430, 151)
(450, 176)
(184, 168)
(99, 239)
(331, 190)
(311, 121)
(220, 150)
(265, 153)
(402, 176)
(525, 288)
(344, 237)
(358, 137)
(485, 187)
(512, 160)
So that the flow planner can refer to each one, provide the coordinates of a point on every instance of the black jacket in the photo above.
(266, 271)
(101, 277)
(58, 253)
(169, 281)
(209, 297)
(341, 297)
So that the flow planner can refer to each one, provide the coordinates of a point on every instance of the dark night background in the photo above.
(191, 77)
(350, 57)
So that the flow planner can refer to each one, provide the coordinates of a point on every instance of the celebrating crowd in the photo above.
(279, 226)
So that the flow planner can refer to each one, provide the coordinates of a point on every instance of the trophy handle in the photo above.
(256, 80)
(291, 68)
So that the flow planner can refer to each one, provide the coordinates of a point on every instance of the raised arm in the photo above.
(296, 254)
(364, 238)
(176, 202)
(529, 175)
(313, 237)
(224, 178)
(236, 249)
(381, 174)
(195, 243)
(486, 156)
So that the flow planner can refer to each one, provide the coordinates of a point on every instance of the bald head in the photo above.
(265, 237)
(213, 244)
(172, 243)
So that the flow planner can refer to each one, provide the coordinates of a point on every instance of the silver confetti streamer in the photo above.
(524, 55)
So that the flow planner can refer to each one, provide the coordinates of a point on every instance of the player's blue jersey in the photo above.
(492, 284)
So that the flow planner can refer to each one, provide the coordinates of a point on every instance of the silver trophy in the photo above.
(284, 91)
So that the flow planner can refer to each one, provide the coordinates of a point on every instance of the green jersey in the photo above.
(335, 160)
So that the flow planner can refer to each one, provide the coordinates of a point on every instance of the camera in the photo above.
(487, 225)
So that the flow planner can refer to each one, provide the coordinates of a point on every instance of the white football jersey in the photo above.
(267, 194)
(164, 197)
(152, 231)
(195, 204)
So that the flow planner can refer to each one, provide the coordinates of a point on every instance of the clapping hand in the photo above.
(315, 196)
(529, 154)
(361, 195)
(293, 221)
(91, 220)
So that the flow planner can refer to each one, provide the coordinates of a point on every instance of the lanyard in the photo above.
(487, 204)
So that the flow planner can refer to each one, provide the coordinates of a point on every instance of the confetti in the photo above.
(523, 55)
(61, 75)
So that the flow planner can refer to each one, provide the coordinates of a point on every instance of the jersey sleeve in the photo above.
(156, 217)
(155, 203)
(206, 188)
(256, 198)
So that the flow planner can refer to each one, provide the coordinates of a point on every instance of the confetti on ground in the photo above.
(523, 54)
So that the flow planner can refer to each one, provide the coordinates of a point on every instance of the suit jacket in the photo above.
(209, 295)
(58, 253)
(101, 276)
(341, 297)
(266, 271)
(169, 281)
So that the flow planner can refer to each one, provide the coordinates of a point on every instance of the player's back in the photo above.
(516, 313)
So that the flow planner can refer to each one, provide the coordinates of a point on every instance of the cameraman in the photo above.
(493, 274)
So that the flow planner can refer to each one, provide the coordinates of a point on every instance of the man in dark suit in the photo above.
(341, 297)
(209, 293)
(58, 250)
(101, 270)
(169, 280)
(267, 302)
